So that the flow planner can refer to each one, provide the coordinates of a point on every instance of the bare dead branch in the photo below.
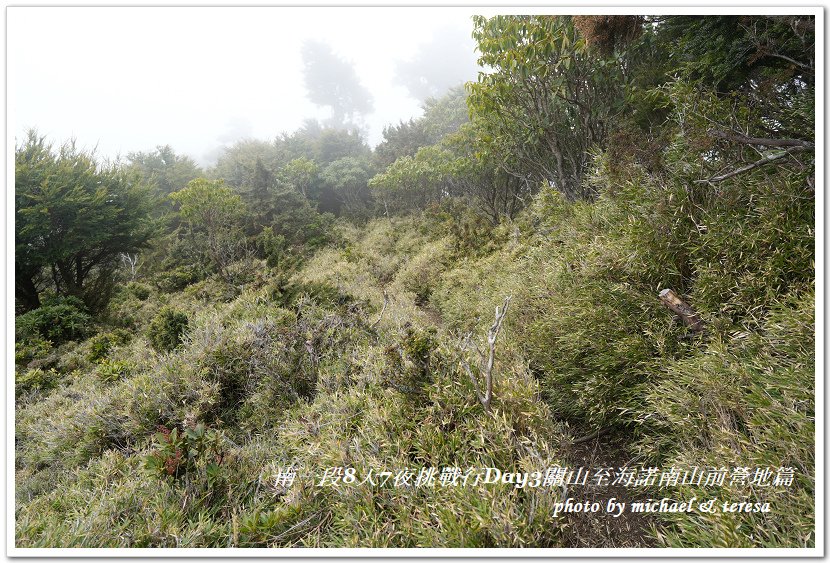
(383, 309)
(133, 262)
(473, 380)
(791, 61)
(487, 369)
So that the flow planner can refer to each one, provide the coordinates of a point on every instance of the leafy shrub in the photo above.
(113, 370)
(37, 378)
(101, 344)
(272, 247)
(213, 290)
(299, 224)
(277, 251)
(470, 233)
(177, 279)
(30, 349)
(285, 292)
(176, 452)
(410, 361)
(79, 421)
(420, 274)
(57, 320)
(256, 366)
(139, 290)
(167, 329)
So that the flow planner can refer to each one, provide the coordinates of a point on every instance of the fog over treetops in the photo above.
(128, 79)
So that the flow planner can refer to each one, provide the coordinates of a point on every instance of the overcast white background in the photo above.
(127, 79)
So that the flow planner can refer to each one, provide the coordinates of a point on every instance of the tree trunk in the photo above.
(26, 293)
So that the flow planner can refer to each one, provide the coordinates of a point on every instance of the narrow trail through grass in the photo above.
(608, 450)
(605, 529)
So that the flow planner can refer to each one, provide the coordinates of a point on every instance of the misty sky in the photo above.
(128, 79)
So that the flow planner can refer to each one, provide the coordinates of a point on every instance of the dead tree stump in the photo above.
(682, 309)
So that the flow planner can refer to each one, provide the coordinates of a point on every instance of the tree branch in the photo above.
(791, 61)
(748, 167)
(670, 299)
(740, 138)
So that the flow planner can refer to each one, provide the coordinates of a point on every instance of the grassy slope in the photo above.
(315, 381)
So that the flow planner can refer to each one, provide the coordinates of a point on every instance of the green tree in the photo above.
(165, 169)
(321, 144)
(300, 174)
(413, 182)
(237, 164)
(260, 197)
(74, 218)
(213, 212)
(403, 139)
(547, 101)
(442, 116)
(333, 82)
(741, 52)
(348, 178)
(493, 182)
(446, 114)
(455, 167)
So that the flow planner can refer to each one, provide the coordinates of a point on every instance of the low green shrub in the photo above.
(410, 361)
(177, 279)
(421, 273)
(259, 368)
(745, 400)
(470, 233)
(36, 379)
(84, 418)
(757, 245)
(167, 329)
(213, 290)
(138, 290)
(58, 320)
(101, 344)
(284, 291)
(177, 452)
(30, 349)
(113, 370)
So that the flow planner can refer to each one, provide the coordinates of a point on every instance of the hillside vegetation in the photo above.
(310, 303)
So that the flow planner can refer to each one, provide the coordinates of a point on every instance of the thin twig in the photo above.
(383, 309)
(792, 61)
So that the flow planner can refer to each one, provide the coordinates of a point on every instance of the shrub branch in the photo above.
(487, 369)
(383, 310)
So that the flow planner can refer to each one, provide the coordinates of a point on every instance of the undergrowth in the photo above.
(176, 424)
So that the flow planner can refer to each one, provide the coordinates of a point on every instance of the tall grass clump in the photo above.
(746, 400)
(585, 311)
